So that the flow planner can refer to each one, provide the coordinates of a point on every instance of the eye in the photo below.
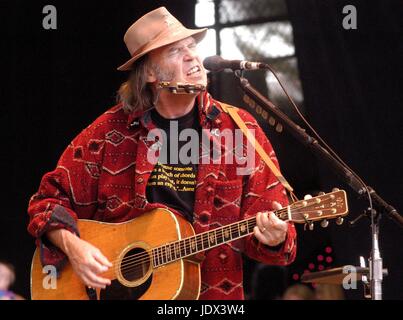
(174, 50)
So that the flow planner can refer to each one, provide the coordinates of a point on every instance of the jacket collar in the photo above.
(208, 111)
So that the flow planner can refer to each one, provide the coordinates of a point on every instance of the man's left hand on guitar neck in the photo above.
(270, 230)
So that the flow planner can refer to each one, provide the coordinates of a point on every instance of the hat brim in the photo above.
(198, 34)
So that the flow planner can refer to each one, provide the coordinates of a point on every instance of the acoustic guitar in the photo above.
(155, 255)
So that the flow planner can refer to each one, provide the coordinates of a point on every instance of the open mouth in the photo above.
(193, 70)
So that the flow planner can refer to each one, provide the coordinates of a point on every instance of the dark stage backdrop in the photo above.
(352, 83)
(56, 82)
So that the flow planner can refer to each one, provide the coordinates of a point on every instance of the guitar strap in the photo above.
(233, 112)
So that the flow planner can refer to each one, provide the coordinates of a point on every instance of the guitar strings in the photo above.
(232, 227)
(136, 267)
(144, 256)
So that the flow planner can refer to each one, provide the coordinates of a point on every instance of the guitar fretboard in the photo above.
(187, 247)
(325, 206)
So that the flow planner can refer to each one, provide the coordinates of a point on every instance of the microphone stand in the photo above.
(376, 271)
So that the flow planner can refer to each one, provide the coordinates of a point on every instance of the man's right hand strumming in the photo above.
(87, 261)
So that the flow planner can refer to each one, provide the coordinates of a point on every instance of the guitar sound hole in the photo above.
(135, 264)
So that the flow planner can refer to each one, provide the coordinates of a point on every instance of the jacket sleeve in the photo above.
(261, 189)
(66, 194)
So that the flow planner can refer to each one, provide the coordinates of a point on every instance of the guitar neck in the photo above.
(324, 206)
(203, 241)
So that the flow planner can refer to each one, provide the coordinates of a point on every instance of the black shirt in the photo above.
(173, 180)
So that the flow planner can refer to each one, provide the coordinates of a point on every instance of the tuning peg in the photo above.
(321, 193)
(324, 223)
(307, 197)
(335, 189)
(279, 128)
(310, 225)
(339, 220)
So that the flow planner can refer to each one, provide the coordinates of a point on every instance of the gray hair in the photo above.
(136, 94)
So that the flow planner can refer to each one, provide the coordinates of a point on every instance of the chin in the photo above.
(198, 81)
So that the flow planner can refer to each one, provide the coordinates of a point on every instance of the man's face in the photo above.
(177, 62)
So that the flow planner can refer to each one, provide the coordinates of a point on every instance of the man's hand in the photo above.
(270, 230)
(86, 260)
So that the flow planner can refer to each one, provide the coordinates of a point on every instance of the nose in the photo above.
(190, 53)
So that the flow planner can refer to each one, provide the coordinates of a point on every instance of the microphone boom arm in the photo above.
(307, 140)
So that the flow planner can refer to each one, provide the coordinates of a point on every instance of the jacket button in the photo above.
(140, 180)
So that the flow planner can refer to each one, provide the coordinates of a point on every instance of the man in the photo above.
(107, 173)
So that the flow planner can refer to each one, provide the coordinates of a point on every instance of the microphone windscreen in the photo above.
(214, 63)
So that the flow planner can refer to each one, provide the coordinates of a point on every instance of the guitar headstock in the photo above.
(323, 207)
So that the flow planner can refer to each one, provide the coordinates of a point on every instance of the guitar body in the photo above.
(121, 243)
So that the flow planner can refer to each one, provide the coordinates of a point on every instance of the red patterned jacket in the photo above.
(103, 173)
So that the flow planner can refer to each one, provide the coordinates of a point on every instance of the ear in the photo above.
(150, 74)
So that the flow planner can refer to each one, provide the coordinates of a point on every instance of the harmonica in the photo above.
(181, 88)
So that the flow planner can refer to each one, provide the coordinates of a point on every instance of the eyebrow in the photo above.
(181, 46)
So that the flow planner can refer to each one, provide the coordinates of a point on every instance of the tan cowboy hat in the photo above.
(156, 29)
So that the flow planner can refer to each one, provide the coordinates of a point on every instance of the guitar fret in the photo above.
(194, 244)
(199, 242)
(177, 250)
(161, 255)
(158, 256)
(205, 241)
(186, 246)
(243, 229)
(167, 253)
(234, 232)
(154, 258)
(251, 224)
(227, 233)
(173, 251)
(219, 236)
(164, 255)
(182, 246)
(212, 240)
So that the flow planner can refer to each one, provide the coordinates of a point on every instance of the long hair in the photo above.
(136, 94)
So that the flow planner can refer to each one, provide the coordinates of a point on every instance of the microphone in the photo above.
(216, 63)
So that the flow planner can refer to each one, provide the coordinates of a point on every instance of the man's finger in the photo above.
(102, 259)
(276, 205)
(96, 267)
(276, 222)
(259, 235)
(96, 280)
